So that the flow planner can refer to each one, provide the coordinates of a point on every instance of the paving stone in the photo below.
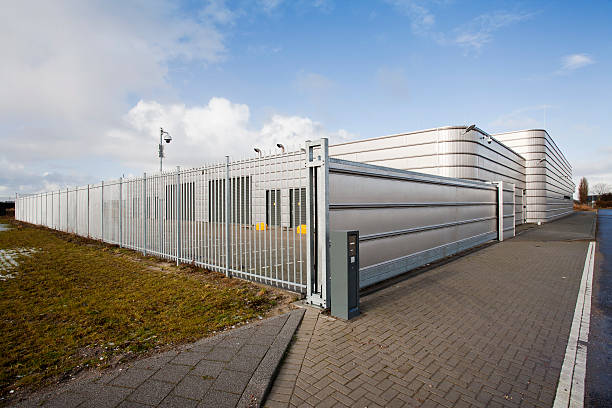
(193, 387)
(466, 333)
(264, 340)
(131, 377)
(208, 368)
(99, 396)
(173, 401)
(232, 381)
(220, 354)
(155, 362)
(172, 373)
(65, 400)
(132, 404)
(213, 371)
(151, 392)
(253, 350)
(219, 399)
(244, 364)
(189, 358)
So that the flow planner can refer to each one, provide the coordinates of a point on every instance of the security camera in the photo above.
(487, 138)
(168, 138)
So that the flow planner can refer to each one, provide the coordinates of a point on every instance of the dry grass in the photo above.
(583, 207)
(78, 303)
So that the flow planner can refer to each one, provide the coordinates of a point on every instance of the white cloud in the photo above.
(207, 133)
(421, 18)
(73, 59)
(575, 61)
(530, 117)
(217, 11)
(325, 6)
(471, 36)
(70, 67)
(474, 35)
(201, 135)
(270, 5)
(597, 169)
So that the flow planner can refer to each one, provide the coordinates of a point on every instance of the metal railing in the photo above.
(246, 218)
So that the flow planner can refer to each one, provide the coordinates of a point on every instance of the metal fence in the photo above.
(246, 218)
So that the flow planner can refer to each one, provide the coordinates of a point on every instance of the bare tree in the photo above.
(583, 190)
(600, 188)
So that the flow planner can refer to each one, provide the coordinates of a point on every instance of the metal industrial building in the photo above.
(269, 218)
(529, 159)
(548, 174)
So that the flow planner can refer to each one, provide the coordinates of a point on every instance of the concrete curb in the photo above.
(261, 381)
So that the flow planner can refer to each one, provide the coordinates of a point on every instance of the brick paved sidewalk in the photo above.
(487, 330)
(230, 369)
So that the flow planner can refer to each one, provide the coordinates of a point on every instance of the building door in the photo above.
(273, 207)
(297, 207)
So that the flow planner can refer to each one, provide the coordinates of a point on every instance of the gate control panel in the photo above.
(344, 265)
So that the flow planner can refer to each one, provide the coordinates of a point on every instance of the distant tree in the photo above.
(600, 188)
(583, 190)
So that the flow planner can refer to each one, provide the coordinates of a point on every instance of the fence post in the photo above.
(178, 214)
(87, 210)
(76, 210)
(102, 211)
(67, 212)
(228, 248)
(120, 212)
(144, 213)
(17, 205)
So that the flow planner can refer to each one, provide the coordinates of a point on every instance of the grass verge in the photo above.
(77, 303)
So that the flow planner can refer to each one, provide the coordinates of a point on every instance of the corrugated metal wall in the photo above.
(549, 175)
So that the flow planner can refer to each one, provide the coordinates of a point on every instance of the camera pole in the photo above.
(162, 132)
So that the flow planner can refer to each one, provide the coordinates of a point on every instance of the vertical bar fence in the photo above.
(244, 218)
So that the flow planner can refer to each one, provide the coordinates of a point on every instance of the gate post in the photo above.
(317, 224)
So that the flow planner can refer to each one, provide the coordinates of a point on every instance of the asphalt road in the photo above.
(599, 355)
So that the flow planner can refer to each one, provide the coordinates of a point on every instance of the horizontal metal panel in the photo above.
(372, 274)
(406, 219)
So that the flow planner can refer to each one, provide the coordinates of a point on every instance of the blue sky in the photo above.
(89, 83)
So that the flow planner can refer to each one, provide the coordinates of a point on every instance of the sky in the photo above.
(87, 85)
